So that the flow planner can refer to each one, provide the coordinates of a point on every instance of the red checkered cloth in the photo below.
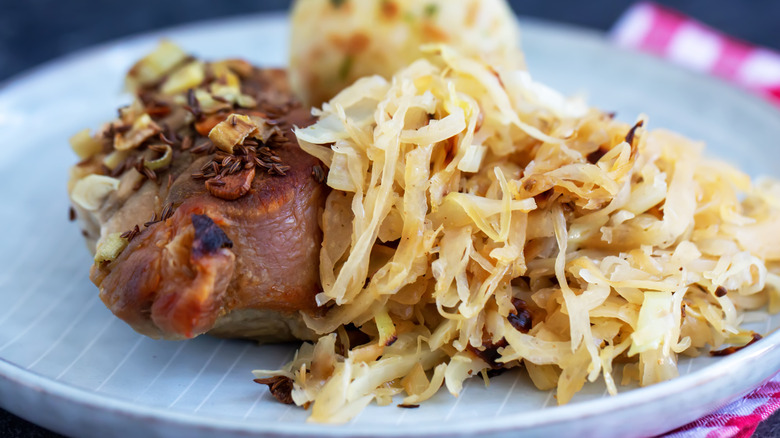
(682, 40)
(739, 418)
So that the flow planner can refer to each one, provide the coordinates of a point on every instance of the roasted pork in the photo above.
(208, 221)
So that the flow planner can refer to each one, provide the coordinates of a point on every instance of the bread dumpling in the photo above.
(335, 42)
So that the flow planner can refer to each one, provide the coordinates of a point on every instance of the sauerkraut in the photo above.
(480, 220)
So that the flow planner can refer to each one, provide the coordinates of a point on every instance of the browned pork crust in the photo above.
(232, 244)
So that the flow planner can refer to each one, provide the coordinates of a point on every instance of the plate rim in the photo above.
(35, 382)
(22, 379)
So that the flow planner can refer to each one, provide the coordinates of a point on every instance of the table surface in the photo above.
(35, 31)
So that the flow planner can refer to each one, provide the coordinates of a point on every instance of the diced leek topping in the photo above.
(143, 128)
(245, 101)
(109, 248)
(84, 145)
(155, 65)
(90, 191)
(232, 131)
(162, 162)
(225, 76)
(209, 105)
(186, 77)
(115, 158)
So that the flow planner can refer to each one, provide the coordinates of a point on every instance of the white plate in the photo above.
(69, 365)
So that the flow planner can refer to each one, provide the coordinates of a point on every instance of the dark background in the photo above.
(35, 31)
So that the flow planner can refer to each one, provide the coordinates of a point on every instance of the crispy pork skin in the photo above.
(232, 245)
(214, 256)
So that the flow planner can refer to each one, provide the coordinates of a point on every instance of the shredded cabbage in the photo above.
(479, 220)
